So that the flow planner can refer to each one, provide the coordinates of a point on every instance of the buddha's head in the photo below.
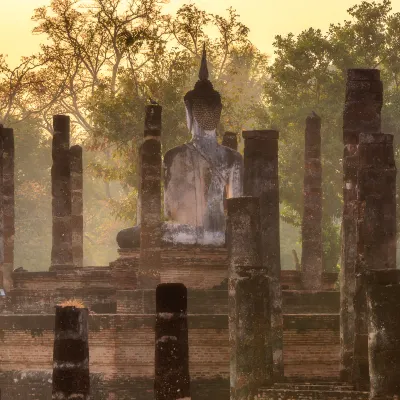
(203, 104)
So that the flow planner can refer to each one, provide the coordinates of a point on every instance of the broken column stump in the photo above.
(362, 109)
(172, 380)
(71, 378)
(77, 204)
(251, 364)
(150, 193)
(61, 252)
(261, 180)
(383, 299)
(230, 140)
(376, 232)
(311, 256)
(8, 205)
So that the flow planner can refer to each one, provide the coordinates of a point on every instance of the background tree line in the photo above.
(101, 62)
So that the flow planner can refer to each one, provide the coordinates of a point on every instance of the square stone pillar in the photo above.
(311, 255)
(77, 204)
(230, 140)
(383, 319)
(251, 363)
(150, 200)
(171, 377)
(376, 233)
(8, 205)
(261, 180)
(61, 252)
(362, 111)
(2, 272)
(71, 379)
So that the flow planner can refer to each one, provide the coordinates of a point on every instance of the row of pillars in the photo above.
(67, 201)
(369, 281)
(261, 182)
(368, 297)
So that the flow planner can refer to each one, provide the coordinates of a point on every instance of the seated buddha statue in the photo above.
(197, 175)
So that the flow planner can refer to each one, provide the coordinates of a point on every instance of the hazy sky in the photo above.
(265, 18)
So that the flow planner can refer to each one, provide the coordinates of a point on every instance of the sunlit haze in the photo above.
(265, 18)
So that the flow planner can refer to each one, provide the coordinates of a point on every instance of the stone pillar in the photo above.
(230, 140)
(261, 180)
(377, 201)
(150, 193)
(2, 269)
(71, 378)
(77, 204)
(383, 299)
(251, 363)
(8, 205)
(172, 380)
(311, 256)
(61, 252)
(362, 109)
(376, 232)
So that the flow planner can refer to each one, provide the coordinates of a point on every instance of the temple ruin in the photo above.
(196, 305)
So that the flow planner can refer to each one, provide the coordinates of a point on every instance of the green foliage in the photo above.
(102, 60)
(309, 74)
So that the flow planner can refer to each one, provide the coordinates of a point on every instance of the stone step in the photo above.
(327, 386)
(292, 394)
(310, 302)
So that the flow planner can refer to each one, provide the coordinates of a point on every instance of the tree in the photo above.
(309, 73)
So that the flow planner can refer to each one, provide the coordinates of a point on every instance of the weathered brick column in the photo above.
(383, 300)
(77, 204)
(172, 380)
(71, 354)
(2, 270)
(362, 109)
(8, 204)
(251, 363)
(61, 252)
(230, 140)
(311, 256)
(376, 232)
(261, 180)
(150, 193)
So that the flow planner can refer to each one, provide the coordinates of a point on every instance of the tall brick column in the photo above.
(230, 140)
(8, 205)
(61, 252)
(376, 232)
(150, 193)
(311, 256)
(2, 270)
(172, 380)
(383, 299)
(251, 363)
(261, 180)
(362, 109)
(77, 204)
(71, 378)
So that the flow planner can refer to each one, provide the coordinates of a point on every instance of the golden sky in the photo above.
(265, 18)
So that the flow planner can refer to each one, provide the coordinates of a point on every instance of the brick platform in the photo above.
(121, 334)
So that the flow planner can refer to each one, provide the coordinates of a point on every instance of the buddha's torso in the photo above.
(197, 177)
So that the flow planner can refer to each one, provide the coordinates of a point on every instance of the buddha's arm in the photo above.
(235, 184)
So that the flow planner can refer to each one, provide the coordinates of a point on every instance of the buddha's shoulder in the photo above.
(175, 152)
(231, 156)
